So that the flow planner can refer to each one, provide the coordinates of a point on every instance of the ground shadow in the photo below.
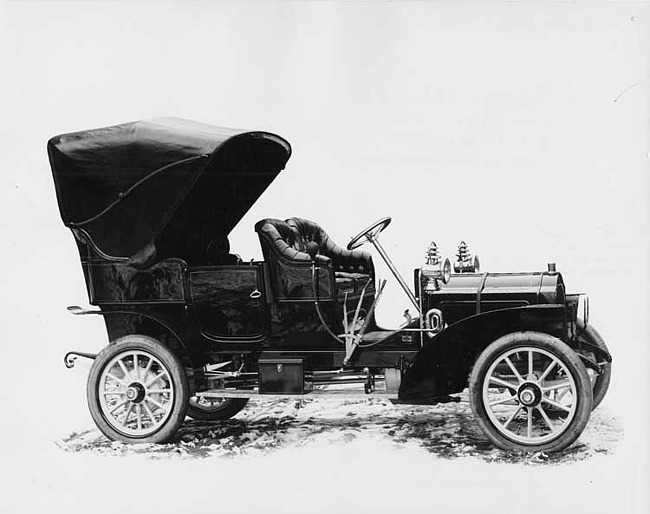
(446, 431)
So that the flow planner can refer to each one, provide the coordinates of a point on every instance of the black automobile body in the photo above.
(195, 329)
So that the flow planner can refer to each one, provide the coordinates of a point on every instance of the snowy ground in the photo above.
(319, 456)
(266, 426)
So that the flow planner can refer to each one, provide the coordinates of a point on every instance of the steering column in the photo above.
(371, 234)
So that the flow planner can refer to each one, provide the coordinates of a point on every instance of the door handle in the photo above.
(255, 294)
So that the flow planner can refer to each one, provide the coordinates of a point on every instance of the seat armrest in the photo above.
(303, 257)
(352, 261)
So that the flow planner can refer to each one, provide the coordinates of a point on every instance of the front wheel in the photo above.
(137, 391)
(530, 392)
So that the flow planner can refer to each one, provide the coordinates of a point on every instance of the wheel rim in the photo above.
(530, 395)
(136, 393)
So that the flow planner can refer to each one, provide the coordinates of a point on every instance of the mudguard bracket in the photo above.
(70, 358)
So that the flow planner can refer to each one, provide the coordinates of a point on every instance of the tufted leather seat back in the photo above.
(284, 245)
(281, 240)
(288, 239)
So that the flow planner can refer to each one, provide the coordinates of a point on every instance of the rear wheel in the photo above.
(214, 409)
(530, 392)
(137, 391)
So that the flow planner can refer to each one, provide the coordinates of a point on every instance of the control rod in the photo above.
(375, 241)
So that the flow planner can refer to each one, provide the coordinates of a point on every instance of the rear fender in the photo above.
(120, 323)
(443, 365)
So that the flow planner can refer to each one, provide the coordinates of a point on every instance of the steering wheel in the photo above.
(370, 233)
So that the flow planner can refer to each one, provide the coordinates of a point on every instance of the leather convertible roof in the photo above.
(125, 186)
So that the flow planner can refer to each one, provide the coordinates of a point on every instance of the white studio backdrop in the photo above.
(521, 129)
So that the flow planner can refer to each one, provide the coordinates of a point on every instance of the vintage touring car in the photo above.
(196, 330)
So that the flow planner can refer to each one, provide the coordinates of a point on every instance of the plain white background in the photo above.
(521, 129)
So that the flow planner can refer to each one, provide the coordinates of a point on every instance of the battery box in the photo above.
(283, 376)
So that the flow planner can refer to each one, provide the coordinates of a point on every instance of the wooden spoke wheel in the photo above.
(530, 392)
(137, 391)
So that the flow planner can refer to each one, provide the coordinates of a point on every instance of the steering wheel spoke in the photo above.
(369, 233)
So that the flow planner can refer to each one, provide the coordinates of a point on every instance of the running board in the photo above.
(337, 393)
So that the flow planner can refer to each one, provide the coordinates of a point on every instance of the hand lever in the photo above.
(312, 250)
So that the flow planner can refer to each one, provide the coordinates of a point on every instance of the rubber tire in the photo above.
(226, 411)
(601, 385)
(176, 374)
(569, 359)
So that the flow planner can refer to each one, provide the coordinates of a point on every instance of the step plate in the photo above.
(320, 393)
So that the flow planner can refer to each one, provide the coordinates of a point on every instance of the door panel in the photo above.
(223, 304)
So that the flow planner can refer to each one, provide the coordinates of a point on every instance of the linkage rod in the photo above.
(393, 269)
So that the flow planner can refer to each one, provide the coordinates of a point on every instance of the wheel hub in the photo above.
(529, 394)
(135, 392)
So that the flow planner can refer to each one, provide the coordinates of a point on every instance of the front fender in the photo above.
(443, 365)
(591, 340)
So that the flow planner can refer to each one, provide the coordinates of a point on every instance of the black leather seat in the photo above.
(284, 245)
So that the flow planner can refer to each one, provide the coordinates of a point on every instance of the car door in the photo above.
(229, 303)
